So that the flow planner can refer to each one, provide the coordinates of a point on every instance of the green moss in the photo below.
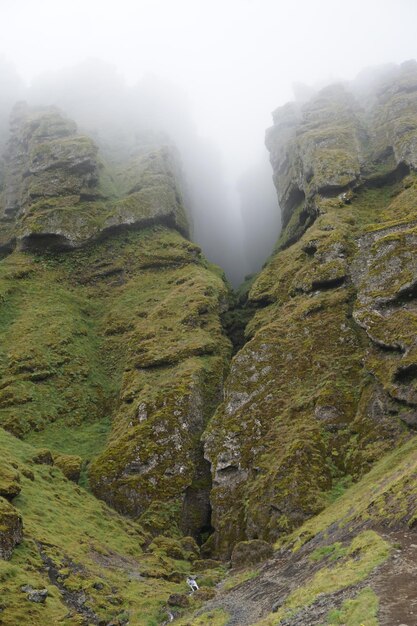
(296, 385)
(9, 479)
(365, 553)
(360, 611)
(86, 439)
(175, 358)
(94, 550)
(384, 495)
(70, 466)
(235, 580)
(48, 361)
(339, 487)
(300, 390)
(88, 340)
(332, 552)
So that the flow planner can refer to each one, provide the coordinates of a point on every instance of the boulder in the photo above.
(43, 456)
(179, 599)
(35, 595)
(9, 481)
(246, 553)
(11, 528)
(70, 465)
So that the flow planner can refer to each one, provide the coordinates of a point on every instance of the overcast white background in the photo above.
(236, 60)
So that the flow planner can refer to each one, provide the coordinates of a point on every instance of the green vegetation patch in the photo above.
(386, 494)
(360, 611)
(96, 553)
(234, 581)
(366, 551)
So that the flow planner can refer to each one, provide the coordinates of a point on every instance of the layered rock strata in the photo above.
(326, 383)
(109, 313)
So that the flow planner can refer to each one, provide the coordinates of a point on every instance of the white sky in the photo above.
(236, 59)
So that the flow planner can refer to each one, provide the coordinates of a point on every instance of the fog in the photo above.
(204, 75)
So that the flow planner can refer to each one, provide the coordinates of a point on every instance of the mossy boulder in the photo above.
(184, 548)
(179, 600)
(247, 553)
(10, 485)
(327, 378)
(11, 528)
(43, 457)
(70, 465)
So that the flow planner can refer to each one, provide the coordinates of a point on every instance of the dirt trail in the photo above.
(396, 583)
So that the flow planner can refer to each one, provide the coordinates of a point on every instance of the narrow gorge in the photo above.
(157, 425)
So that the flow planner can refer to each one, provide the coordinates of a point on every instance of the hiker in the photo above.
(192, 584)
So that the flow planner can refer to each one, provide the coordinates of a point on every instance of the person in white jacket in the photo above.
(192, 584)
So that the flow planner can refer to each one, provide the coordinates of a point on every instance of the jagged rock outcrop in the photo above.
(325, 384)
(58, 194)
(11, 528)
(108, 312)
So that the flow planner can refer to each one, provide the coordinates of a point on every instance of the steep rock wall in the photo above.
(58, 193)
(326, 383)
(109, 313)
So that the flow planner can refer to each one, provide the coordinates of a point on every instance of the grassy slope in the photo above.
(95, 550)
(73, 327)
(343, 545)
(95, 333)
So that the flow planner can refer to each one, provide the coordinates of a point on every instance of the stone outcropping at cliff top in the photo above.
(58, 193)
(338, 141)
(109, 313)
(326, 383)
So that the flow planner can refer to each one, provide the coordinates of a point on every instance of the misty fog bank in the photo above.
(121, 118)
(206, 76)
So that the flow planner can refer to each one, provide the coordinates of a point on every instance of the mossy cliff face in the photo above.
(338, 141)
(174, 364)
(108, 314)
(326, 383)
(58, 194)
(96, 566)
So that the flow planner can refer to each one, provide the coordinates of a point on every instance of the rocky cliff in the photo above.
(116, 371)
(58, 194)
(112, 355)
(325, 384)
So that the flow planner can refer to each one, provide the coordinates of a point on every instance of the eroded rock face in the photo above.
(126, 324)
(327, 380)
(11, 529)
(174, 370)
(341, 138)
(58, 194)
